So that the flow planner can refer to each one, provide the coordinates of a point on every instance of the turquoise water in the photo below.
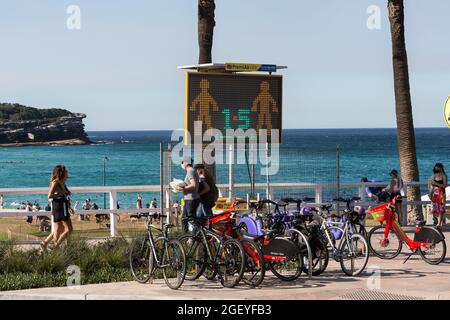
(306, 156)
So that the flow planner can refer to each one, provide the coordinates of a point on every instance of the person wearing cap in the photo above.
(394, 189)
(190, 192)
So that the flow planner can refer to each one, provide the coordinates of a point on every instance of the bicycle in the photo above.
(386, 241)
(352, 247)
(224, 224)
(355, 215)
(212, 255)
(148, 254)
(283, 256)
(305, 230)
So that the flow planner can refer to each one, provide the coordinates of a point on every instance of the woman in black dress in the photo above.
(58, 194)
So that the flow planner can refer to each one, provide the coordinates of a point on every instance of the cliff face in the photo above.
(20, 125)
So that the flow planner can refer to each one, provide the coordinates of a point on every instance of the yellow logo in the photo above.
(447, 112)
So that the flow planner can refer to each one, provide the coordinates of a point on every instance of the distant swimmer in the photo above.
(204, 102)
(264, 100)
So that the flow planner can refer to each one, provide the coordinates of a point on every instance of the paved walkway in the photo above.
(413, 280)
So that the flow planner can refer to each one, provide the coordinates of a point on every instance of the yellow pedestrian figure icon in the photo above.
(204, 102)
(264, 100)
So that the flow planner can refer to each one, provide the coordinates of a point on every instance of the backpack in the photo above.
(211, 196)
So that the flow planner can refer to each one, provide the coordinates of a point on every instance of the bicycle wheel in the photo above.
(230, 263)
(174, 260)
(384, 248)
(159, 249)
(210, 272)
(289, 269)
(139, 254)
(255, 268)
(354, 254)
(436, 253)
(196, 256)
(320, 258)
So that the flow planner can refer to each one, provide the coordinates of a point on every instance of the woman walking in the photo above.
(58, 194)
(437, 184)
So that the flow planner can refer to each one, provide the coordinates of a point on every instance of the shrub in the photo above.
(103, 262)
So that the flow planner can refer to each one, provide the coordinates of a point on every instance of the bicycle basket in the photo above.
(378, 213)
(222, 223)
(357, 215)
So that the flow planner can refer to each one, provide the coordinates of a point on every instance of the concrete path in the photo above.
(413, 280)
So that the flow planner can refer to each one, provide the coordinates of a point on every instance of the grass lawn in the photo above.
(19, 229)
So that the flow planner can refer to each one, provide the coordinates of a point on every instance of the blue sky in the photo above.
(120, 68)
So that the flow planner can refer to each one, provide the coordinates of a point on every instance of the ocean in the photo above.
(133, 159)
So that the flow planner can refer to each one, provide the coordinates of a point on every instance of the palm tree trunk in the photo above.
(206, 24)
(403, 107)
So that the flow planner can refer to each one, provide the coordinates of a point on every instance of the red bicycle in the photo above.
(224, 224)
(386, 240)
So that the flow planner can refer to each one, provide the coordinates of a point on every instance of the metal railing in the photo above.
(167, 208)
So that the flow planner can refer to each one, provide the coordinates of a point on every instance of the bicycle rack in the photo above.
(308, 247)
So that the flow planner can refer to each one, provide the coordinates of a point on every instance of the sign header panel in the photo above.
(233, 101)
(250, 67)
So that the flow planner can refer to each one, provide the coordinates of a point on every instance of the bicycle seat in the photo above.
(281, 203)
(326, 207)
(337, 215)
(155, 227)
(267, 201)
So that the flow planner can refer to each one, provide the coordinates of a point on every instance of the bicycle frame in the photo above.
(203, 232)
(345, 235)
(392, 224)
(152, 245)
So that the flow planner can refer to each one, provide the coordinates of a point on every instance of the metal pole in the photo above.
(267, 172)
(169, 200)
(338, 176)
(161, 181)
(252, 187)
(231, 173)
(104, 180)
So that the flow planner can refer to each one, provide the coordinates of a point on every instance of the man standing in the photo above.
(1, 201)
(190, 192)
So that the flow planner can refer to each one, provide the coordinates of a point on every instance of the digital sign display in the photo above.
(233, 101)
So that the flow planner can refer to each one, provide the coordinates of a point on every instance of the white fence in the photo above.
(224, 188)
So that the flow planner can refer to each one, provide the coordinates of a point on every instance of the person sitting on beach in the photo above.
(374, 193)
